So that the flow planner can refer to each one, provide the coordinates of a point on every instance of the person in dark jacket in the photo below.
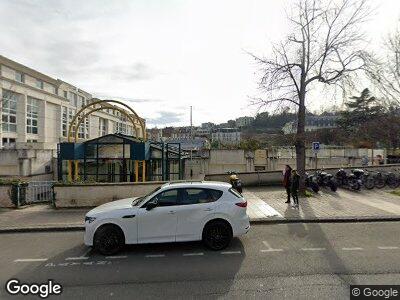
(286, 181)
(294, 189)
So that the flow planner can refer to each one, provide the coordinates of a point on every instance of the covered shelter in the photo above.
(120, 158)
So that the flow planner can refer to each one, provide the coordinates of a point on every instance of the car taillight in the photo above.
(242, 204)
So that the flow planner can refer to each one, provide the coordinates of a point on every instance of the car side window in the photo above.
(167, 198)
(197, 196)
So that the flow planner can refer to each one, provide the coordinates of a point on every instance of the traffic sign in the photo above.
(315, 146)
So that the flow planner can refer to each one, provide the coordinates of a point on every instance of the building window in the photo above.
(31, 141)
(64, 121)
(32, 112)
(53, 89)
(19, 77)
(39, 84)
(82, 101)
(65, 94)
(8, 142)
(9, 111)
(102, 127)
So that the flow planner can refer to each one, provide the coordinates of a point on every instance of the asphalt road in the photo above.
(293, 261)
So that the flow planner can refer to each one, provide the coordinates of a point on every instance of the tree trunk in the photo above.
(300, 143)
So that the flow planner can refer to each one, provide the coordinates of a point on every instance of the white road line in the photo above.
(313, 249)
(270, 249)
(30, 259)
(388, 248)
(77, 258)
(155, 255)
(352, 249)
(193, 254)
(86, 253)
(117, 257)
(231, 252)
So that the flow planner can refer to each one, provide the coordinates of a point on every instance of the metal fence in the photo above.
(39, 191)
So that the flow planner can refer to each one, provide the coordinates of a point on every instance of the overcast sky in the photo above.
(161, 56)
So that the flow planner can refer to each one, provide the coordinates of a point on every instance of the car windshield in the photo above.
(139, 201)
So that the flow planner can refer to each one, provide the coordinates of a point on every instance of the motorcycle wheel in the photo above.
(356, 186)
(379, 183)
(369, 183)
(333, 186)
(392, 182)
(315, 187)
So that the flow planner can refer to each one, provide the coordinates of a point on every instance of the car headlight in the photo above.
(89, 219)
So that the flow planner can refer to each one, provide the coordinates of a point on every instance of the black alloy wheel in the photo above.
(217, 235)
(108, 240)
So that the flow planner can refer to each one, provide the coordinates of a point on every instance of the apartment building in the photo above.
(36, 111)
(226, 135)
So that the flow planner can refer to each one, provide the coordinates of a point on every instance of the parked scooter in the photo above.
(366, 179)
(386, 178)
(348, 180)
(311, 182)
(235, 182)
(326, 179)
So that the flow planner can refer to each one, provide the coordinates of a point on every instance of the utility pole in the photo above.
(191, 140)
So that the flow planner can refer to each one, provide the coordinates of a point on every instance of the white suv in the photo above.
(175, 212)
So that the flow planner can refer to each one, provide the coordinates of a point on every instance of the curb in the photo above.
(329, 220)
(254, 222)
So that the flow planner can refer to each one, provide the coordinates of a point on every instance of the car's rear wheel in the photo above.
(217, 235)
(109, 239)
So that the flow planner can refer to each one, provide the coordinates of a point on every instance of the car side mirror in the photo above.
(151, 204)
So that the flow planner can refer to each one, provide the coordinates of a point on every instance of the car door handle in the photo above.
(208, 209)
(171, 212)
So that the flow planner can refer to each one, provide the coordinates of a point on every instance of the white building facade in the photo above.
(230, 136)
(36, 111)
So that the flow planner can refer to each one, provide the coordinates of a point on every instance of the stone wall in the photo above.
(5, 196)
(89, 195)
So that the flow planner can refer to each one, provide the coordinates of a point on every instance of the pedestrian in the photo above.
(295, 183)
(286, 181)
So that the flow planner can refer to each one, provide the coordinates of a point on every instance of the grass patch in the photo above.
(395, 192)
(309, 194)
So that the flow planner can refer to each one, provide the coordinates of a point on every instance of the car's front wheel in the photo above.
(109, 239)
(217, 235)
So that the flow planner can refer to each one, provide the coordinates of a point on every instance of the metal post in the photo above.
(316, 160)
(69, 164)
(136, 171)
(144, 171)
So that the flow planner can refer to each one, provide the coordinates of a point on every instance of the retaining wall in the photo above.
(89, 195)
(275, 177)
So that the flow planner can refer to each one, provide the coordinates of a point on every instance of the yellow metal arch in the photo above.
(106, 103)
(101, 108)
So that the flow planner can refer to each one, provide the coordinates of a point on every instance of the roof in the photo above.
(203, 184)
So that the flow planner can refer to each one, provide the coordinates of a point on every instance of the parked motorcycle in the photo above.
(348, 180)
(235, 182)
(311, 182)
(386, 178)
(326, 179)
(366, 179)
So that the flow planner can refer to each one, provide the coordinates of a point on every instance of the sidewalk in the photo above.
(265, 205)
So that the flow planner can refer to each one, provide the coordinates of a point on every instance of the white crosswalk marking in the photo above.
(313, 249)
(231, 252)
(155, 255)
(352, 249)
(30, 259)
(193, 254)
(388, 247)
(77, 258)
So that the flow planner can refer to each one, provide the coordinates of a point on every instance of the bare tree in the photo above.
(385, 73)
(325, 45)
